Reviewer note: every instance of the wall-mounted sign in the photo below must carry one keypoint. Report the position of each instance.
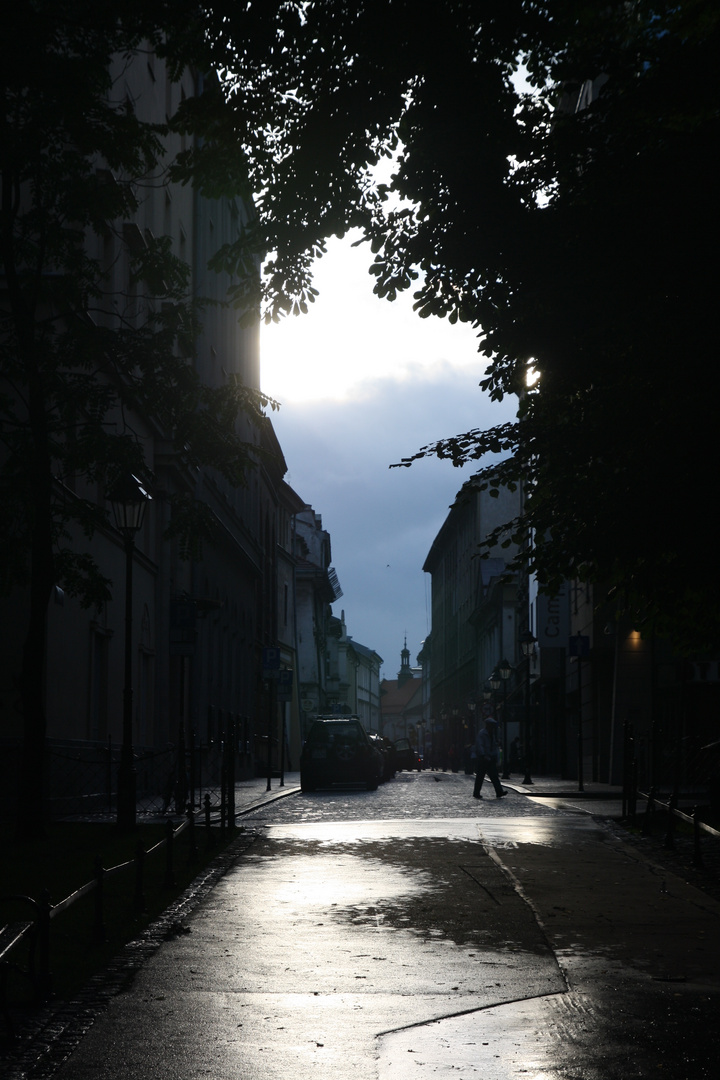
(285, 684)
(270, 663)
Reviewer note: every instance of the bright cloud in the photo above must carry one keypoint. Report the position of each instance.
(350, 338)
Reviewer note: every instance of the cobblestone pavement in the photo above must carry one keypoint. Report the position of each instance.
(409, 795)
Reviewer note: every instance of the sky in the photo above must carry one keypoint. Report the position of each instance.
(362, 383)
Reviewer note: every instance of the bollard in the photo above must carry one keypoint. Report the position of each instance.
(139, 901)
(232, 743)
(632, 797)
(670, 831)
(193, 777)
(208, 828)
(697, 853)
(109, 774)
(99, 927)
(223, 785)
(628, 758)
(169, 841)
(649, 813)
(192, 842)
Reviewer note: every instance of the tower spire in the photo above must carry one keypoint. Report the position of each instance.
(404, 673)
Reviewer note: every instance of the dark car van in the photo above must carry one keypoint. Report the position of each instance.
(338, 751)
(406, 757)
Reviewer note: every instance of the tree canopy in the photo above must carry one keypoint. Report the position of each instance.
(541, 171)
(551, 181)
(79, 353)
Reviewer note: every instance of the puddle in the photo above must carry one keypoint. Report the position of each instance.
(432, 892)
(546, 831)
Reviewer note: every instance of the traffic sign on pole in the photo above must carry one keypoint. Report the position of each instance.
(270, 662)
(285, 684)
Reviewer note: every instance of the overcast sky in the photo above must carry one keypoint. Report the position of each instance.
(362, 383)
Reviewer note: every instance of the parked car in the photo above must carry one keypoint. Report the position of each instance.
(406, 757)
(387, 754)
(338, 750)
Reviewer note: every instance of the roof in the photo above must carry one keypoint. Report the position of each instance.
(396, 699)
(363, 650)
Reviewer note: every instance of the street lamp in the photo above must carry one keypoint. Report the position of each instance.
(455, 735)
(472, 705)
(495, 681)
(527, 645)
(505, 671)
(128, 499)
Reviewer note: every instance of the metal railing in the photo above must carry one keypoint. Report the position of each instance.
(688, 770)
(80, 779)
(35, 931)
(674, 814)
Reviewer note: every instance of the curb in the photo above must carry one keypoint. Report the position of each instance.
(595, 796)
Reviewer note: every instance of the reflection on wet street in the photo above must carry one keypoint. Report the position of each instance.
(501, 940)
(550, 829)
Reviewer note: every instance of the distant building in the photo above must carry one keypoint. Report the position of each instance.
(401, 703)
(317, 588)
(363, 667)
(474, 613)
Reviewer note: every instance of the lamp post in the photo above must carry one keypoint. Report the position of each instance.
(128, 499)
(487, 696)
(527, 645)
(505, 671)
(472, 705)
(455, 740)
(494, 680)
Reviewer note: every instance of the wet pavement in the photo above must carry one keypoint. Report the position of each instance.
(416, 932)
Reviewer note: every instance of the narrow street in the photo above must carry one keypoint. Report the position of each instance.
(415, 932)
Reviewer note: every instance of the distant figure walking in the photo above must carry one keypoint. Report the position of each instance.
(487, 756)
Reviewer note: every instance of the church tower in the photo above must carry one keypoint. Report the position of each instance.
(404, 673)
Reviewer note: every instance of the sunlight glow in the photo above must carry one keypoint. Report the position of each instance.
(350, 339)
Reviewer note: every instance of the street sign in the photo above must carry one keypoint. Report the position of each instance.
(579, 645)
(285, 684)
(270, 663)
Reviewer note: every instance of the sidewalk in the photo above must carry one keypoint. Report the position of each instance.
(555, 786)
(252, 793)
(604, 800)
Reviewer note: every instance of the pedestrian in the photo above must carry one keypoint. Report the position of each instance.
(487, 756)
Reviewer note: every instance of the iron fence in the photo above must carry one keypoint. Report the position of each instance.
(80, 779)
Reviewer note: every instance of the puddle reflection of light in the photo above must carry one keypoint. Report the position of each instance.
(544, 831)
(351, 883)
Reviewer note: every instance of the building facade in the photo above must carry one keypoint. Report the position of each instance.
(203, 615)
(475, 620)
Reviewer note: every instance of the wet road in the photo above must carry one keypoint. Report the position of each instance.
(414, 932)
